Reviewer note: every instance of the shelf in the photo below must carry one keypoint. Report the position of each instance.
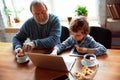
(113, 20)
(13, 29)
(112, 8)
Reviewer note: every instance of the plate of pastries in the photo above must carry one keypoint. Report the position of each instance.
(86, 73)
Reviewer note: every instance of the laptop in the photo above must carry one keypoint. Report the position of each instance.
(47, 61)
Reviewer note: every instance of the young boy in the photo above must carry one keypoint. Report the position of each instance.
(80, 39)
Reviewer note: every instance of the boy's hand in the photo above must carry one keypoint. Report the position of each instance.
(81, 49)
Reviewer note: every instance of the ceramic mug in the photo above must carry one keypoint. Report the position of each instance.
(90, 59)
(22, 59)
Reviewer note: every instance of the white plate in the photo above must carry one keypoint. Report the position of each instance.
(83, 62)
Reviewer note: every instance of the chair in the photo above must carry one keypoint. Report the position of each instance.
(64, 34)
(101, 35)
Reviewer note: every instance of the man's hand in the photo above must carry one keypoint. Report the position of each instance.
(19, 52)
(81, 49)
(28, 46)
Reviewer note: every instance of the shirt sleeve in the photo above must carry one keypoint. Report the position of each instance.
(68, 43)
(99, 48)
(19, 38)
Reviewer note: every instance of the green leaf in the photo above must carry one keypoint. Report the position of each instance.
(8, 11)
(81, 10)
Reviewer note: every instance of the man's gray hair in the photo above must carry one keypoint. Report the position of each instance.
(35, 2)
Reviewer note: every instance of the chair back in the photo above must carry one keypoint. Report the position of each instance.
(64, 34)
(101, 35)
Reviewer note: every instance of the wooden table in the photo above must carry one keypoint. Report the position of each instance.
(109, 67)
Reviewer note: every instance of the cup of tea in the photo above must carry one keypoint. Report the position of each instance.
(90, 59)
(22, 58)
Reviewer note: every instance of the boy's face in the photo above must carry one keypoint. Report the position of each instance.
(78, 36)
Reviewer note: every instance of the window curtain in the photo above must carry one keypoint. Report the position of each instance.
(102, 13)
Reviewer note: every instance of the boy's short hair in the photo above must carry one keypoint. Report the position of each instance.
(80, 23)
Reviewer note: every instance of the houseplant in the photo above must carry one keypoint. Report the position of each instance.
(17, 12)
(14, 13)
(81, 10)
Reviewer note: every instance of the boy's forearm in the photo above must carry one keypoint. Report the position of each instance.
(90, 50)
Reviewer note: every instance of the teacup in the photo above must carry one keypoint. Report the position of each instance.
(90, 59)
(22, 59)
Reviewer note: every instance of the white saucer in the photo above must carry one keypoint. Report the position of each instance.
(83, 62)
(23, 61)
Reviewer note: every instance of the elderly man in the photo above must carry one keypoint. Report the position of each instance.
(43, 30)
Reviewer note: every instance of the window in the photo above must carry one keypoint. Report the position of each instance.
(62, 8)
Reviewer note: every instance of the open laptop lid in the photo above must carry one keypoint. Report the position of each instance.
(47, 61)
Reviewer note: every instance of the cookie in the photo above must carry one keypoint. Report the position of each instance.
(84, 72)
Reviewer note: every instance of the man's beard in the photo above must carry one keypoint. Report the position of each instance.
(44, 21)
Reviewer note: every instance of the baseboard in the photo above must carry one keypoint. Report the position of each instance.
(115, 41)
(115, 47)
